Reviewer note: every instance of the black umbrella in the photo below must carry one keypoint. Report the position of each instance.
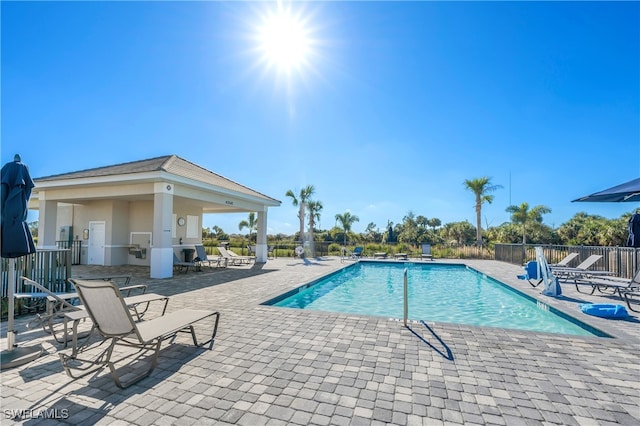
(626, 192)
(15, 241)
(16, 190)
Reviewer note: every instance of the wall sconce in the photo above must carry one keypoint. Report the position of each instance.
(180, 240)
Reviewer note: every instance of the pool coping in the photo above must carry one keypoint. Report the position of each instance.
(566, 309)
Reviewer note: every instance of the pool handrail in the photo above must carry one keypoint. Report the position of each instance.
(406, 302)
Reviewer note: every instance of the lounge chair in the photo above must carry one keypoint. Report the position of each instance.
(426, 252)
(565, 262)
(202, 257)
(566, 273)
(271, 252)
(243, 259)
(181, 266)
(113, 320)
(55, 304)
(65, 306)
(616, 284)
(233, 259)
(630, 296)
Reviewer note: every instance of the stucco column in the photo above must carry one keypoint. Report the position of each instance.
(47, 223)
(261, 237)
(162, 251)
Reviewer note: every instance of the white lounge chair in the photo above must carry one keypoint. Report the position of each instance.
(113, 320)
(233, 258)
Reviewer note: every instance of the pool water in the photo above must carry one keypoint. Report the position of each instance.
(437, 292)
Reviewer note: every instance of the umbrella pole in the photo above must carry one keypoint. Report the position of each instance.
(11, 335)
(15, 356)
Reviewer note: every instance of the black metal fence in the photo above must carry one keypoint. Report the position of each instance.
(622, 261)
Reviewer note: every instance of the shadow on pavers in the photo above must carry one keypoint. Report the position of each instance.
(445, 352)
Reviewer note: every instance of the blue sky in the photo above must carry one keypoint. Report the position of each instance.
(394, 105)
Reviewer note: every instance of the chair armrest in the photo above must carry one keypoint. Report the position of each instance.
(128, 289)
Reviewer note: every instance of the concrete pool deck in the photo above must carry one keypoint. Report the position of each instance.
(284, 366)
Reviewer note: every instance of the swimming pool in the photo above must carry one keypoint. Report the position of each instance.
(437, 292)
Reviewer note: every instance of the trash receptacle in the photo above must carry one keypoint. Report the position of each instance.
(188, 254)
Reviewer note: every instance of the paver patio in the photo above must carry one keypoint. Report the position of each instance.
(284, 366)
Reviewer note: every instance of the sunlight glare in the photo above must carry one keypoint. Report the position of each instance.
(284, 41)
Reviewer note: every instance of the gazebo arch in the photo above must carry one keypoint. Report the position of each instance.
(148, 210)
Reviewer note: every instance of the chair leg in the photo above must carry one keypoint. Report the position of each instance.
(628, 297)
(213, 335)
(83, 365)
(152, 365)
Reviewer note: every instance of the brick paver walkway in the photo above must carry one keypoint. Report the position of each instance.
(282, 366)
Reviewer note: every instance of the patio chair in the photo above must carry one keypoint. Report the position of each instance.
(426, 252)
(565, 273)
(57, 304)
(271, 252)
(202, 256)
(233, 258)
(183, 267)
(615, 284)
(113, 320)
(244, 259)
(565, 261)
(630, 296)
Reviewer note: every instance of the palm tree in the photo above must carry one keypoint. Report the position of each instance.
(346, 220)
(301, 200)
(481, 187)
(522, 215)
(251, 223)
(314, 214)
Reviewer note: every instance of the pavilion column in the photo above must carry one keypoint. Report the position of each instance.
(162, 250)
(261, 237)
(47, 223)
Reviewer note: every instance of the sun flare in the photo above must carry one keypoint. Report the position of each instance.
(284, 41)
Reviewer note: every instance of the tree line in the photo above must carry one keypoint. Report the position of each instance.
(526, 225)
